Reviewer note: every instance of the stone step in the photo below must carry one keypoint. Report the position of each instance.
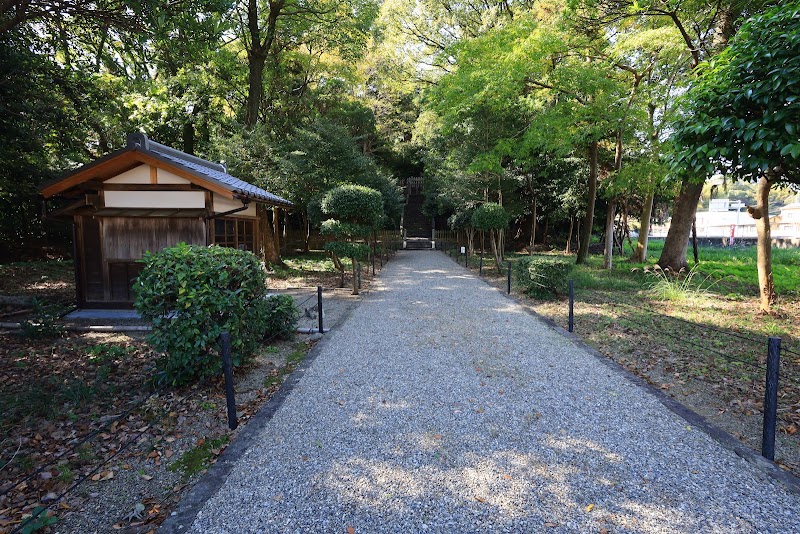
(418, 243)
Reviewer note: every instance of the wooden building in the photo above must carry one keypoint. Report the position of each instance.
(146, 197)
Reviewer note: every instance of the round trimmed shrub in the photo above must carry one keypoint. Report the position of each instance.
(354, 203)
(543, 277)
(490, 216)
(281, 318)
(191, 294)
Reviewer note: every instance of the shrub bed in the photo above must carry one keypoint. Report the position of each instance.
(281, 317)
(191, 294)
(543, 277)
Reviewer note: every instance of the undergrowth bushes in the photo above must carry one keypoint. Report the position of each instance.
(191, 294)
(543, 276)
(281, 318)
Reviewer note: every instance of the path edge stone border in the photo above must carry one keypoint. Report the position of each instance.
(184, 515)
(788, 480)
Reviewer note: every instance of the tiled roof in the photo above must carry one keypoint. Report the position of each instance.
(224, 179)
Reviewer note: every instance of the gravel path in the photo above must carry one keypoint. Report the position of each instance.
(442, 406)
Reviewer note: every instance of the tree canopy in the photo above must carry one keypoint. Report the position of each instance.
(554, 109)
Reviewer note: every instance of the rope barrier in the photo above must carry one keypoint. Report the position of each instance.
(724, 332)
(704, 348)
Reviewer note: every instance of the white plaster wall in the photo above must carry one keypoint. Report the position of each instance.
(137, 175)
(155, 199)
(222, 204)
(166, 177)
(141, 175)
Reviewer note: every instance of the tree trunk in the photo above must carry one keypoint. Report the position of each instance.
(188, 135)
(269, 254)
(258, 53)
(608, 256)
(766, 284)
(337, 263)
(533, 227)
(626, 230)
(674, 254)
(306, 231)
(568, 246)
(640, 255)
(276, 225)
(586, 229)
(256, 60)
(355, 277)
(493, 237)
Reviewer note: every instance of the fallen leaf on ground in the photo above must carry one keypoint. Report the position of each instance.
(103, 475)
(590, 508)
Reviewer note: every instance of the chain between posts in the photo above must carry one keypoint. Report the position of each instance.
(770, 418)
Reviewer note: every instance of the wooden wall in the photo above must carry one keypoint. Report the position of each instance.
(128, 238)
(108, 248)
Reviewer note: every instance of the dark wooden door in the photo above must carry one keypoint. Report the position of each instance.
(90, 264)
(121, 277)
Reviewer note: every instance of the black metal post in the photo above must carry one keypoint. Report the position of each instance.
(381, 257)
(480, 266)
(319, 308)
(227, 370)
(466, 257)
(373, 261)
(358, 271)
(771, 398)
(571, 305)
(509, 278)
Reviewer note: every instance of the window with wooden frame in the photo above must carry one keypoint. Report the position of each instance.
(235, 233)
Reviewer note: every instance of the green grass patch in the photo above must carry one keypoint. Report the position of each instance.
(299, 264)
(198, 458)
(293, 359)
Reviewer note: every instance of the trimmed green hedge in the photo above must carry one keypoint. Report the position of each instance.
(543, 277)
(282, 316)
(191, 294)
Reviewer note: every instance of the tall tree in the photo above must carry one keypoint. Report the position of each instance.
(705, 29)
(743, 119)
(268, 28)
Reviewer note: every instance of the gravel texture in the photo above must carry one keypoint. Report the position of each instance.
(442, 406)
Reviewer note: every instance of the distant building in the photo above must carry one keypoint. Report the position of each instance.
(787, 224)
(728, 220)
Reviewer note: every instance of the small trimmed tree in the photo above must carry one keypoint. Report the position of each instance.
(744, 119)
(461, 220)
(492, 217)
(355, 211)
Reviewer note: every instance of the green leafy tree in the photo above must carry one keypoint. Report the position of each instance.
(491, 217)
(743, 119)
(355, 212)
